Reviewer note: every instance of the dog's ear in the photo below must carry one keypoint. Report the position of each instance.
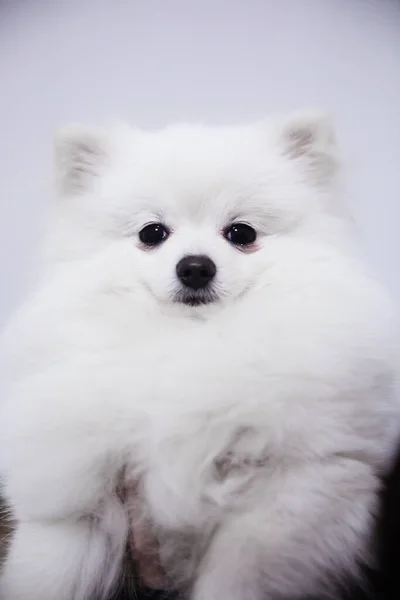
(309, 136)
(81, 154)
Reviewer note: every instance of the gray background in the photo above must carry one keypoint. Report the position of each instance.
(156, 61)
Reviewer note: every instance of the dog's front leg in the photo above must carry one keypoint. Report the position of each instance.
(293, 534)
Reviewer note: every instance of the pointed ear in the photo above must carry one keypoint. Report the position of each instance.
(310, 137)
(81, 154)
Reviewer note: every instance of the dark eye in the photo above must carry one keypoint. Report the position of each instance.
(153, 234)
(240, 234)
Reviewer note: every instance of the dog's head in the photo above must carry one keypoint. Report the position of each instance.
(191, 211)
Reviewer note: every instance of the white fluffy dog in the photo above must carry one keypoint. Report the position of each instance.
(205, 331)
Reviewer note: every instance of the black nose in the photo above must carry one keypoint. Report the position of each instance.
(196, 271)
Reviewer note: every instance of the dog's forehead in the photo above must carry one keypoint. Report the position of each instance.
(198, 173)
(198, 193)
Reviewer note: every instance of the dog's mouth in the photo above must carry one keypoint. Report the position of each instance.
(196, 298)
(194, 301)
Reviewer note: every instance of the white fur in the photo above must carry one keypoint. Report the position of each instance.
(255, 427)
